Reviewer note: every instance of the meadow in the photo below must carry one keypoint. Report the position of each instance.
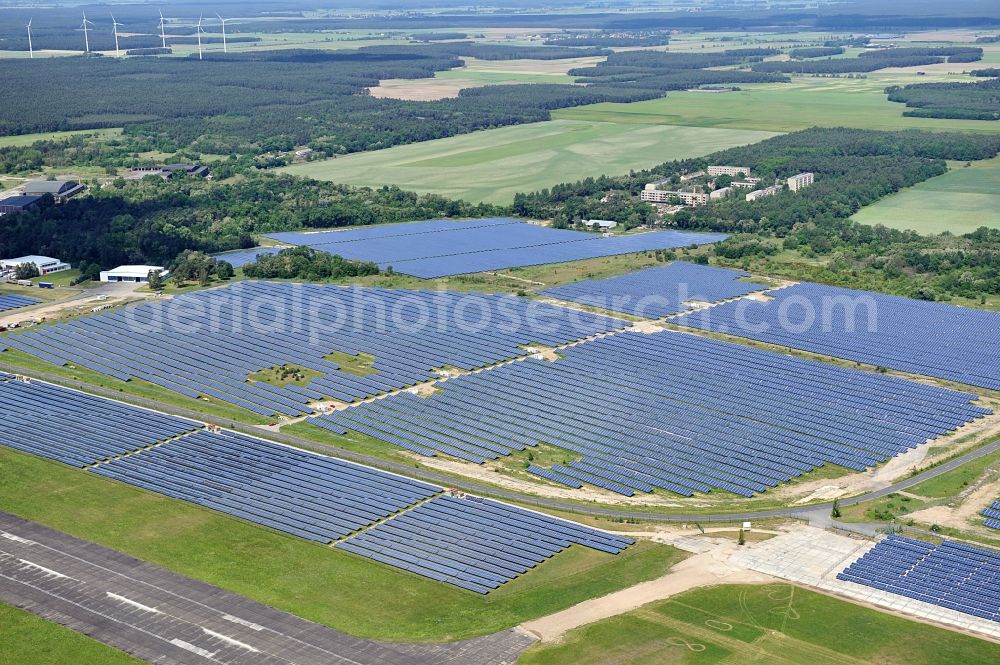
(27, 640)
(784, 107)
(28, 139)
(307, 579)
(776, 623)
(960, 201)
(493, 165)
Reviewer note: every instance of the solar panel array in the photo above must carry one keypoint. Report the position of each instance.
(240, 259)
(13, 301)
(439, 248)
(76, 428)
(953, 575)
(669, 410)
(992, 515)
(658, 292)
(207, 344)
(476, 544)
(480, 544)
(930, 339)
(310, 496)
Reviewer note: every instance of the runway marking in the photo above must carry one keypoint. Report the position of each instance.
(129, 601)
(47, 571)
(229, 640)
(204, 653)
(16, 538)
(243, 622)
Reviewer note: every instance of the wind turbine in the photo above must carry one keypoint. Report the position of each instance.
(223, 22)
(163, 35)
(31, 51)
(199, 36)
(86, 37)
(114, 25)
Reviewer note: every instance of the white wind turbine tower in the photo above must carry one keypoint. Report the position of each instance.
(86, 36)
(114, 25)
(223, 22)
(199, 36)
(163, 35)
(31, 51)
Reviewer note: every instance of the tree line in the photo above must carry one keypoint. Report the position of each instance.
(970, 101)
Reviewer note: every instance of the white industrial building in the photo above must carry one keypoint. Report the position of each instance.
(135, 274)
(45, 264)
(797, 182)
(603, 224)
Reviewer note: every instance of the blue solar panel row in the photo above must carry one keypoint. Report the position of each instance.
(307, 495)
(931, 339)
(953, 575)
(669, 410)
(208, 344)
(992, 515)
(76, 428)
(439, 248)
(241, 258)
(476, 544)
(13, 301)
(311, 496)
(658, 292)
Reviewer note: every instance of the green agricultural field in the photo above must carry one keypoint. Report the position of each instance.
(493, 165)
(959, 201)
(28, 139)
(776, 623)
(313, 581)
(27, 640)
(783, 107)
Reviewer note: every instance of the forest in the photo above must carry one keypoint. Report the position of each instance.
(815, 51)
(151, 221)
(870, 61)
(969, 101)
(308, 264)
(269, 103)
(274, 101)
(853, 168)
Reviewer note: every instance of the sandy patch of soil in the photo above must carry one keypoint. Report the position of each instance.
(707, 569)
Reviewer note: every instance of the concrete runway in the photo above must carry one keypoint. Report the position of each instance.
(169, 619)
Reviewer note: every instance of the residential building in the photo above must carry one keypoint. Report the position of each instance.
(135, 274)
(767, 191)
(797, 182)
(60, 190)
(690, 198)
(692, 176)
(44, 264)
(720, 193)
(729, 170)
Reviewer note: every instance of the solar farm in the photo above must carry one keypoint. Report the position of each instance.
(930, 339)
(672, 411)
(951, 574)
(992, 515)
(254, 326)
(440, 248)
(10, 301)
(574, 407)
(311, 496)
(658, 292)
